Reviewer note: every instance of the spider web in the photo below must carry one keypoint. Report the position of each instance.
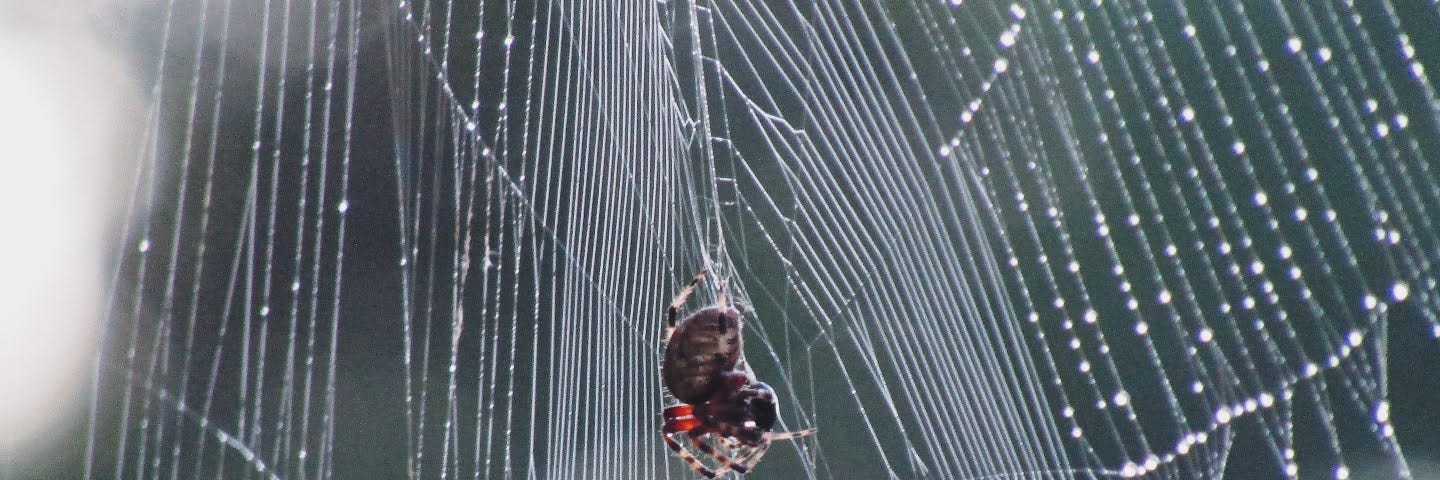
(1042, 239)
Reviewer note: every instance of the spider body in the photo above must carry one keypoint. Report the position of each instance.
(702, 349)
(699, 369)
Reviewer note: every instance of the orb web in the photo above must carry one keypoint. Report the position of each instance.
(1041, 239)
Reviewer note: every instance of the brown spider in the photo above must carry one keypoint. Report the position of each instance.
(699, 370)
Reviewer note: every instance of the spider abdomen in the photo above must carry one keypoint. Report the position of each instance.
(703, 347)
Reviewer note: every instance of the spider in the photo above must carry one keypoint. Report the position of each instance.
(699, 370)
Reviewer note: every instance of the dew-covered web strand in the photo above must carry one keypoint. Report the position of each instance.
(144, 195)
(1273, 358)
(1406, 53)
(502, 142)
(786, 127)
(284, 422)
(322, 206)
(1371, 395)
(205, 214)
(1108, 378)
(737, 237)
(843, 127)
(1007, 40)
(327, 441)
(1337, 60)
(1211, 174)
(256, 425)
(1366, 377)
(764, 117)
(1292, 139)
(1173, 140)
(499, 177)
(535, 246)
(1124, 146)
(246, 224)
(1005, 153)
(1019, 100)
(407, 319)
(1310, 369)
(1031, 227)
(407, 217)
(1027, 304)
(1375, 129)
(160, 347)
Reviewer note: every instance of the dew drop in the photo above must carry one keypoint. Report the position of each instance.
(1400, 291)
(1017, 11)
(1294, 44)
(1007, 39)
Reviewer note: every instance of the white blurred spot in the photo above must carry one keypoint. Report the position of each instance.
(66, 131)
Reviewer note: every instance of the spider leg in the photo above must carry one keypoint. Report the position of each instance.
(753, 437)
(770, 436)
(679, 418)
(726, 464)
(686, 456)
(679, 300)
(755, 455)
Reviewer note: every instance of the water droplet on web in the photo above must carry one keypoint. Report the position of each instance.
(1400, 291)
(1294, 44)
